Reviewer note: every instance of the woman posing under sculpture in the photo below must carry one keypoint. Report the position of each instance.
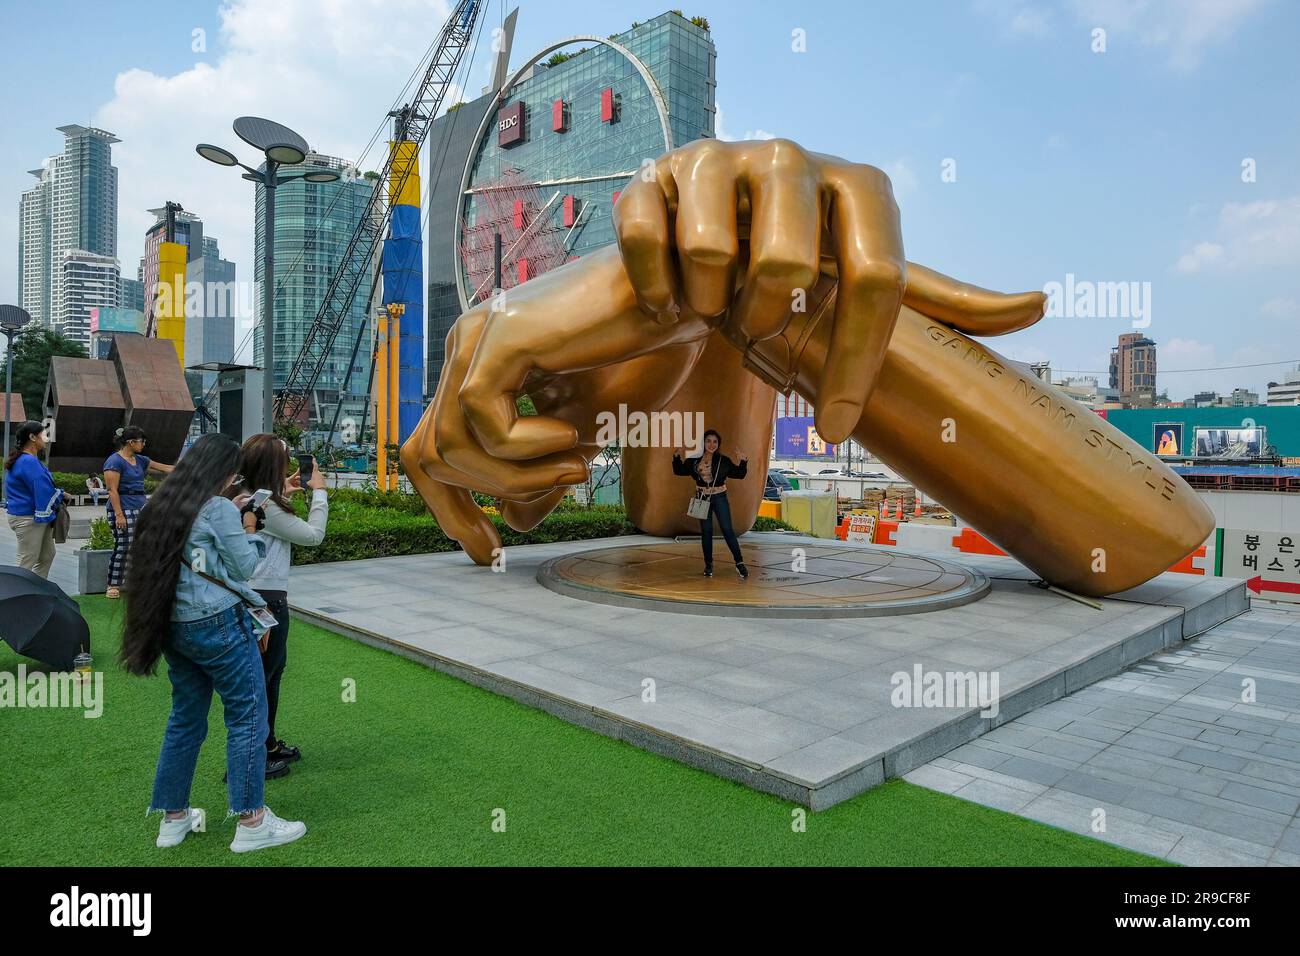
(711, 471)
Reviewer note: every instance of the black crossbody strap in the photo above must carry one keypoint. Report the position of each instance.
(713, 478)
(217, 581)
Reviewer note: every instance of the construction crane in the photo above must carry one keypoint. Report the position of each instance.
(411, 124)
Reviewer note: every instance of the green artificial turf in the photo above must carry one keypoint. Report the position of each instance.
(412, 772)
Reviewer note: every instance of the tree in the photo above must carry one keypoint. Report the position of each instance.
(609, 463)
(289, 431)
(32, 353)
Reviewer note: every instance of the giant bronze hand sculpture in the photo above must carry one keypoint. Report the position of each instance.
(746, 267)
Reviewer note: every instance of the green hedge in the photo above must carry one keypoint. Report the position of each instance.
(71, 483)
(357, 531)
(359, 528)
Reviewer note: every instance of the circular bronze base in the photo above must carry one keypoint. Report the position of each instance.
(785, 580)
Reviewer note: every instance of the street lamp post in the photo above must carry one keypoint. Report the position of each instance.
(12, 321)
(268, 295)
(282, 147)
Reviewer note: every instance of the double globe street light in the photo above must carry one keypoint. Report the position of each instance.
(282, 147)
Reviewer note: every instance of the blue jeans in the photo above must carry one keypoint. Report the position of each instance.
(719, 508)
(218, 652)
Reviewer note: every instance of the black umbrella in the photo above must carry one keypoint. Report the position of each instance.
(38, 620)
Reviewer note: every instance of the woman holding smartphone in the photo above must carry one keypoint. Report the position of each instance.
(188, 600)
(266, 467)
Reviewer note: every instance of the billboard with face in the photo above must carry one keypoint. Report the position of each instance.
(1167, 438)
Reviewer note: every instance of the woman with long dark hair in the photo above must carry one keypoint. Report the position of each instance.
(266, 465)
(31, 500)
(188, 600)
(711, 469)
(124, 473)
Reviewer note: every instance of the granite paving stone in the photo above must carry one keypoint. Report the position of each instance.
(803, 708)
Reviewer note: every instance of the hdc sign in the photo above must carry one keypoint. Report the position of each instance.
(510, 125)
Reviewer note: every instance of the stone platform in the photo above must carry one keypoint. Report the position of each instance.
(800, 709)
(785, 581)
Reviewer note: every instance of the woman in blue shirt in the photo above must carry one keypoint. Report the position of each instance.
(124, 474)
(31, 500)
(188, 599)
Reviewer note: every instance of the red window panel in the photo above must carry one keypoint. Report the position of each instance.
(607, 105)
(559, 122)
(519, 214)
(521, 271)
(570, 210)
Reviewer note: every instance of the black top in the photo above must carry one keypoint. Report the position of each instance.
(726, 468)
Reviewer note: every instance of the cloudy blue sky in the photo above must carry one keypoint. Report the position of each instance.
(1122, 165)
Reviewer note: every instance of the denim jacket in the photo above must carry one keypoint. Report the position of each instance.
(227, 553)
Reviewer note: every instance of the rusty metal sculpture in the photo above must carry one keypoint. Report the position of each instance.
(742, 268)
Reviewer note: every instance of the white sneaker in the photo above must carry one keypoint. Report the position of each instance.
(272, 831)
(172, 832)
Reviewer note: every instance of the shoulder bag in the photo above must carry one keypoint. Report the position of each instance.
(698, 506)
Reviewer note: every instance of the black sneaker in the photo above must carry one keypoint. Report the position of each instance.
(274, 768)
(744, 572)
(282, 751)
(708, 570)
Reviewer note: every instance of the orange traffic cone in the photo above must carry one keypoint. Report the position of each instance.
(916, 512)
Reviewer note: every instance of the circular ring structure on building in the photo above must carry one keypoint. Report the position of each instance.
(835, 580)
(660, 103)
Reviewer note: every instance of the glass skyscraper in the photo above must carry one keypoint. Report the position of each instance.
(72, 207)
(133, 294)
(210, 330)
(313, 224)
(34, 271)
(86, 281)
(554, 156)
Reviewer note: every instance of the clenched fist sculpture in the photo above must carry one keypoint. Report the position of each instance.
(746, 268)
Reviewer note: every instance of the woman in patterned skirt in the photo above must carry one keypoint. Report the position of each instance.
(124, 475)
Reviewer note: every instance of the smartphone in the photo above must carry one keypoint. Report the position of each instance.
(259, 498)
(306, 465)
(264, 618)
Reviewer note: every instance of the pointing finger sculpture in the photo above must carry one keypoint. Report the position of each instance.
(746, 268)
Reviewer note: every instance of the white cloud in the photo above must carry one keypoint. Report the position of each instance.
(902, 176)
(1260, 234)
(721, 132)
(1181, 30)
(1187, 354)
(326, 68)
(1201, 255)
(1281, 308)
(1017, 17)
